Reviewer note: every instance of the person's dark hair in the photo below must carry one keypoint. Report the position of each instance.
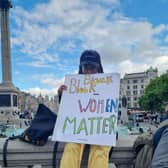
(90, 57)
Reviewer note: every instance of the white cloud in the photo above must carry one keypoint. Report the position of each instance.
(162, 63)
(16, 72)
(120, 40)
(43, 91)
(160, 28)
(45, 25)
(37, 64)
(49, 82)
(166, 39)
(130, 67)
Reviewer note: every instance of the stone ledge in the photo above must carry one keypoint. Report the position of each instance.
(21, 154)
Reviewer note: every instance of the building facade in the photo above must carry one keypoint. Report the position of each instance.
(29, 103)
(133, 85)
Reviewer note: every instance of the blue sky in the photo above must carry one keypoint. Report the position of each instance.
(48, 36)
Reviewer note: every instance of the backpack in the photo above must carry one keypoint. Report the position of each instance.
(37, 134)
(41, 127)
(144, 147)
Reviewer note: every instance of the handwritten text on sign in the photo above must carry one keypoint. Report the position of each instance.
(88, 110)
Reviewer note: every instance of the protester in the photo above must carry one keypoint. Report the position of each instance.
(149, 130)
(141, 131)
(90, 63)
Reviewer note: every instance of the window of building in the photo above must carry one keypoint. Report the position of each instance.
(129, 105)
(128, 98)
(128, 81)
(128, 93)
(142, 86)
(135, 105)
(135, 81)
(142, 80)
(128, 87)
(141, 91)
(135, 92)
(135, 98)
(135, 87)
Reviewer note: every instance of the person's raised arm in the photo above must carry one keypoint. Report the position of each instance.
(60, 91)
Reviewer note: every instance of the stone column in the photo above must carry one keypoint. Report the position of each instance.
(5, 42)
(8, 92)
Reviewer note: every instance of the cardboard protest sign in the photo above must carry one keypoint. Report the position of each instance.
(89, 109)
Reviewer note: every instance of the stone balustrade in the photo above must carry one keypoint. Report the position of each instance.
(24, 155)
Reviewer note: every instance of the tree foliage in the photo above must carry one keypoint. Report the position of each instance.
(156, 94)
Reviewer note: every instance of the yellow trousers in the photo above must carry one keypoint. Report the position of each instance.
(72, 156)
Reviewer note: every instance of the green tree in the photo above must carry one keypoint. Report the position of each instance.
(156, 94)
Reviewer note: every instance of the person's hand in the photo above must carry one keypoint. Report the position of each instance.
(61, 89)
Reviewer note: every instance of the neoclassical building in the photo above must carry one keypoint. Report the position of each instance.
(133, 85)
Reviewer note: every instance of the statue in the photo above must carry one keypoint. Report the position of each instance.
(5, 4)
(124, 116)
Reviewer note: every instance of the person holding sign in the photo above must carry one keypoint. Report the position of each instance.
(90, 63)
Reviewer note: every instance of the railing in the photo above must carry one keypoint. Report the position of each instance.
(24, 155)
